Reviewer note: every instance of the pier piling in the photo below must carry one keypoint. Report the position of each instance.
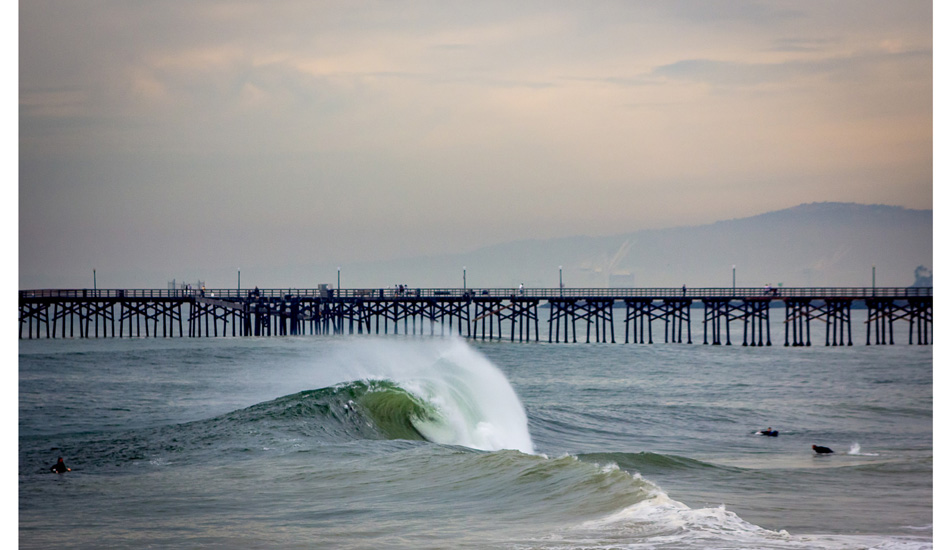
(487, 314)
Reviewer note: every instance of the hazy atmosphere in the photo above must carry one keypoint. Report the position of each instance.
(184, 140)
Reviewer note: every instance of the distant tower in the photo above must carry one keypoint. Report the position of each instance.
(923, 277)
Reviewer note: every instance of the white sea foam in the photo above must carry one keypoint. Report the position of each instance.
(856, 450)
(662, 522)
(476, 405)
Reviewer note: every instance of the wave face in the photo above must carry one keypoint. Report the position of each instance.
(443, 392)
(382, 442)
(364, 409)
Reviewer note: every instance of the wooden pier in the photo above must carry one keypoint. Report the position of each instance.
(573, 314)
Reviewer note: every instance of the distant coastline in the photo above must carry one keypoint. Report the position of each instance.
(816, 244)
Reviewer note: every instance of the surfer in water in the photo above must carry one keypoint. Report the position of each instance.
(769, 432)
(59, 467)
(822, 450)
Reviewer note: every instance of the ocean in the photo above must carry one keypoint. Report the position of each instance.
(418, 441)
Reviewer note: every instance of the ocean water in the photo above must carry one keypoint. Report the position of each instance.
(439, 442)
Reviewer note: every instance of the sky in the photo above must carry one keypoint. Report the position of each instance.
(181, 140)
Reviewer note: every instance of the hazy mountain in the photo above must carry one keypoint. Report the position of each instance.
(819, 244)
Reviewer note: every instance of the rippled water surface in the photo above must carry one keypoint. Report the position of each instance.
(430, 442)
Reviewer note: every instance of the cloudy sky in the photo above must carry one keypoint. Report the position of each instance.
(174, 139)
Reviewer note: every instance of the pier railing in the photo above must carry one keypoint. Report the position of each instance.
(856, 293)
(323, 310)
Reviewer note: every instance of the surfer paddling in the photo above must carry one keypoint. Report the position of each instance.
(822, 450)
(59, 467)
(769, 432)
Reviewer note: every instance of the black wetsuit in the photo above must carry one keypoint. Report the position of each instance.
(59, 467)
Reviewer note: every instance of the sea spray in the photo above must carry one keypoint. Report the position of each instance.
(856, 451)
(260, 429)
(474, 404)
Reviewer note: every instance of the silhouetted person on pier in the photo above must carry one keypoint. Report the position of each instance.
(59, 467)
(684, 290)
(822, 450)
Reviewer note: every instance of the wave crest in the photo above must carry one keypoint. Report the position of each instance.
(443, 392)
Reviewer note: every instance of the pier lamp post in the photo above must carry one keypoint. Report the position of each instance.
(733, 279)
(873, 280)
(94, 287)
(338, 279)
(239, 281)
(560, 278)
(463, 278)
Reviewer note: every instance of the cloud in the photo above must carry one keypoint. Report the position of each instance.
(743, 11)
(803, 44)
(378, 129)
(740, 74)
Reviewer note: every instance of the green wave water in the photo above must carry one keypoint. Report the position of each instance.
(424, 443)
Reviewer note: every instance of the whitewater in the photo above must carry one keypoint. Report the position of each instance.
(417, 442)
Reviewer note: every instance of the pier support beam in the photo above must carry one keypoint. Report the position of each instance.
(517, 313)
(755, 311)
(884, 312)
(562, 313)
(838, 319)
(91, 313)
(717, 313)
(674, 312)
(597, 313)
(798, 316)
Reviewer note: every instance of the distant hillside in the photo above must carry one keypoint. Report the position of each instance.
(819, 244)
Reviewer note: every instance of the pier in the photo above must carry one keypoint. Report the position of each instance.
(571, 314)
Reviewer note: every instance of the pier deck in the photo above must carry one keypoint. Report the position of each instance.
(573, 314)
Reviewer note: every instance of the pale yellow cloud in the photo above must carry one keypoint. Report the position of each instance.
(599, 119)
